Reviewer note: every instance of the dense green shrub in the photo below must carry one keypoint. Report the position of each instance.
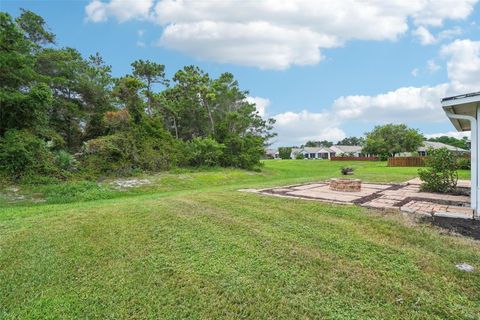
(204, 152)
(463, 163)
(143, 147)
(242, 152)
(65, 161)
(23, 154)
(284, 153)
(116, 153)
(299, 156)
(69, 104)
(441, 172)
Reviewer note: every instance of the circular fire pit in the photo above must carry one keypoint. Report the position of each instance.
(346, 185)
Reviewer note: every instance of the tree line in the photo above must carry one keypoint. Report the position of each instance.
(63, 114)
(384, 141)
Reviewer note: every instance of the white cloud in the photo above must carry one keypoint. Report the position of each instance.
(122, 10)
(434, 12)
(432, 66)
(463, 65)
(261, 104)
(251, 44)
(449, 33)
(295, 128)
(421, 104)
(424, 36)
(140, 41)
(415, 72)
(276, 34)
(398, 106)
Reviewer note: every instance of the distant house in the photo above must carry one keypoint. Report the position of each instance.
(295, 151)
(423, 150)
(272, 154)
(327, 152)
(352, 151)
(314, 153)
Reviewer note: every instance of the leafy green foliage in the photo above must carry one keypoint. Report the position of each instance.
(299, 156)
(351, 141)
(242, 152)
(23, 154)
(122, 153)
(35, 28)
(65, 161)
(388, 140)
(73, 105)
(323, 143)
(441, 172)
(459, 143)
(204, 152)
(150, 73)
(284, 153)
(464, 163)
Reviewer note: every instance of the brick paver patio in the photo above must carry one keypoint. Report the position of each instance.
(406, 197)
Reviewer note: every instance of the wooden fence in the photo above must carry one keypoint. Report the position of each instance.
(406, 162)
(354, 158)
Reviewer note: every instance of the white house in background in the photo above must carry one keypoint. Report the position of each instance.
(317, 153)
(313, 153)
(353, 151)
(326, 152)
(272, 153)
(356, 151)
(423, 150)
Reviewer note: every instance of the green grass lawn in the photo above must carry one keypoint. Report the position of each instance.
(190, 246)
(274, 172)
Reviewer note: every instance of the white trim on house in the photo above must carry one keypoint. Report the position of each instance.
(463, 113)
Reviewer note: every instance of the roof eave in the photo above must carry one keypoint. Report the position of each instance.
(456, 103)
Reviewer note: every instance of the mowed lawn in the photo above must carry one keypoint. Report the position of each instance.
(191, 246)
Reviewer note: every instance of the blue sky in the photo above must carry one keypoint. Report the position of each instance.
(324, 70)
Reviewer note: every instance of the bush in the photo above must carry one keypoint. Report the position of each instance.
(204, 152)
(463, 163)
(284, 153)
(117, 120)
(441, 172)
(65, 161)
(346, 171)
(144, 147)
(242, 152)
(299, 156)
(116, 153)
(23, 154)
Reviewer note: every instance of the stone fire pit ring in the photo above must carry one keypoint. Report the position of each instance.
(345, 185)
